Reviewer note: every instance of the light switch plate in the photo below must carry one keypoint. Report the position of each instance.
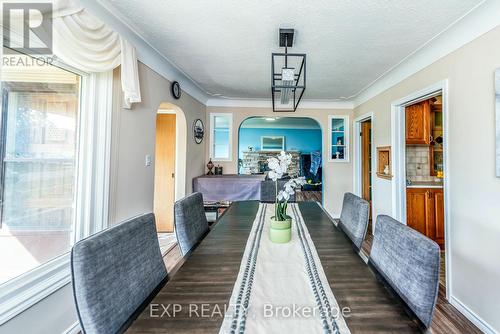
(147, 160)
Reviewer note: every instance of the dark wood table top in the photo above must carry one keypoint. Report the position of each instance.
(202, 286)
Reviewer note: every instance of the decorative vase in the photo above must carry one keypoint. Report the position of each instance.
(386, 170)
(210, 166)
(280, 232)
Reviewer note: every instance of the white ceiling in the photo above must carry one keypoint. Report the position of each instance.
(225, 46)
(280, 123)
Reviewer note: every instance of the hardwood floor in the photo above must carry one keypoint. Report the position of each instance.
(447, 319)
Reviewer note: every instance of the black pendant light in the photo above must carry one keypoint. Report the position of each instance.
(288, 75)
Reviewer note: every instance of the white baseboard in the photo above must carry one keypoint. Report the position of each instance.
(73, 329)
(473, 317)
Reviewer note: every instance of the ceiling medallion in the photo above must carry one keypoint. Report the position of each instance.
(288, 75)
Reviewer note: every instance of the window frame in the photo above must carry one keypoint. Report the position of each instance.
(212, 136)
(93, 151)
(347, 151)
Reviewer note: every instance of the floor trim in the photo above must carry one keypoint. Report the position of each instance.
(473, 317)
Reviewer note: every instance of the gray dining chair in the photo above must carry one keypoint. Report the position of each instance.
(409, 262)
(114, 272)
(190, 221)
(354, 218)
(268, 191)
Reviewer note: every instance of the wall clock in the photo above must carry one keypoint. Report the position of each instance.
(176, 90)
(198, 131)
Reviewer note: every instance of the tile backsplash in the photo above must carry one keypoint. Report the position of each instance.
(418, 166)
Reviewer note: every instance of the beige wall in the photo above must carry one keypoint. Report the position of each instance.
(134, 137)
(337, 176)
(474, 189)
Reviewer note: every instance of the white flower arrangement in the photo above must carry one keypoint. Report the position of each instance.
(278, 167)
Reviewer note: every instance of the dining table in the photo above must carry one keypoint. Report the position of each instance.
(199, 291)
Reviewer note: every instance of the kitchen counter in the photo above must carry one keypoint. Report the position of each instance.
(420, 184)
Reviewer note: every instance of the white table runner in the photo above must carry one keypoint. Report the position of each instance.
(282, 288)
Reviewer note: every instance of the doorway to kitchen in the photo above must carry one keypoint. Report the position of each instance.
(420, 186)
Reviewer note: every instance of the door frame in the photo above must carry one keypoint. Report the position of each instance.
(358, 158)
(399, 162)
(172, 112)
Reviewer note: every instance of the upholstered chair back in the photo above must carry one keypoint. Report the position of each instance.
(268, 191)
(409, 262)
(354, 218)
(190, 221)
(114, 272)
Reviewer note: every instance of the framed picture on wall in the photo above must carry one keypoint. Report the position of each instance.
(268, 143)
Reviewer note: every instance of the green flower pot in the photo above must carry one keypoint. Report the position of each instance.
(280, 232)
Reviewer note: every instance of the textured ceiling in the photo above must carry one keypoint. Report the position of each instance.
(225, 46)
(281, 123)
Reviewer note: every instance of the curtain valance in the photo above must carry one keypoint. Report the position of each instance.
(84, 42)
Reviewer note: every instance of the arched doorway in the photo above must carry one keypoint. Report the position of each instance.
(170, 163)
(262, 136)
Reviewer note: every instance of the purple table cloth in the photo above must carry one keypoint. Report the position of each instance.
(229, 187)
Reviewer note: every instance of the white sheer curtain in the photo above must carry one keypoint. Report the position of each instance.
(82, 41)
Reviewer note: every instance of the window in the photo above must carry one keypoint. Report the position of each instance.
(55, 128)
(221, 126)
(38, 150)
(338, 129)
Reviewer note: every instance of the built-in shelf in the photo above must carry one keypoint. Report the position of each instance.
(384, 159)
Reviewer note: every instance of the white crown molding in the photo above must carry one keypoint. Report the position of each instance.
(478, 21)
(146, 52)
(257, 103)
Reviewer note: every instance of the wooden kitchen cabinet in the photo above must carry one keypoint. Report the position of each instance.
(439, 216)
(418, 123)
(425, 212)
